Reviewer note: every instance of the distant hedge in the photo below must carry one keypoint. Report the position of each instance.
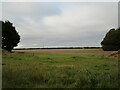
(111, 42)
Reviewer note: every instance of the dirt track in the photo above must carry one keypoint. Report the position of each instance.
(68, 51)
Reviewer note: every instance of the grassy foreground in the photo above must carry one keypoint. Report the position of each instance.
(35, 70)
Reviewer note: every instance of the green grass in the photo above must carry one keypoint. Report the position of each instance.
(34, 70)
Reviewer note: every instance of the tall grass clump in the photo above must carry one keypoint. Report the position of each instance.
(28, 70)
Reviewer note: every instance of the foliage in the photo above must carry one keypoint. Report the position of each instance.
(10, 37)
(111, 42)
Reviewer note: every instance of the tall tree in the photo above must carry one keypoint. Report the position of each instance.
(10, 37)
(111, 42)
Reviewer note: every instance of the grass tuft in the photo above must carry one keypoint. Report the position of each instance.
(28, 70)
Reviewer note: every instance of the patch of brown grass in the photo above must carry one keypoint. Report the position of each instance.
(115, 55)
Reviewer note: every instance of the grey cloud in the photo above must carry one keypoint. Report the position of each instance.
(61, 24)
(20, 10)
(0, 11)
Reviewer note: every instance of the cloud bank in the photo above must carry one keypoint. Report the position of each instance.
(61, 24)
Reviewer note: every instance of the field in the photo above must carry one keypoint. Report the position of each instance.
(69, 51)
(60, 68)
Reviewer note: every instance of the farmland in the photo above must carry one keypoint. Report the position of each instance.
(60, 68)
(68, 51)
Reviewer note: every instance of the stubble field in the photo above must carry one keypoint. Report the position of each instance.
(68, 51)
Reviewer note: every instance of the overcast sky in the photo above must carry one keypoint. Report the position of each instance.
(52, 24)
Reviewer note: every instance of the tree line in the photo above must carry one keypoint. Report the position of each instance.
(11, 38)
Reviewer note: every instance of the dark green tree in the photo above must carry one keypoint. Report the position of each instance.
(10, 37)
(111, 42)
